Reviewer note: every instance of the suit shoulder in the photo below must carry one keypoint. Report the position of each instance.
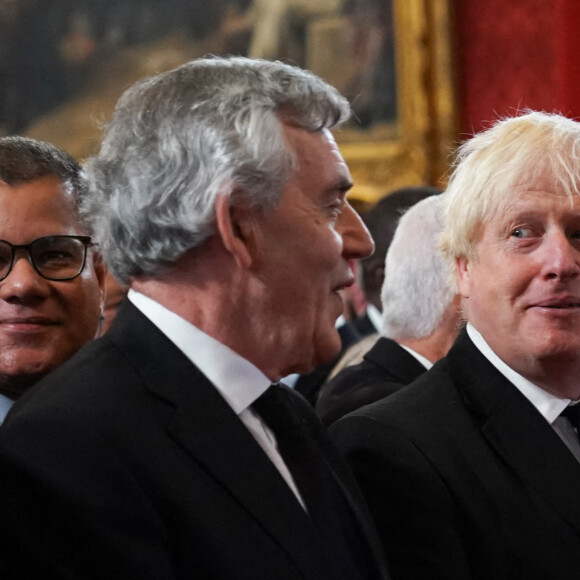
(86, 389)
(427, 404)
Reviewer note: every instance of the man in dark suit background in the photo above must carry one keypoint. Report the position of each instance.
(472, 471)
(382, 221)
(161, 451)
(420, 317)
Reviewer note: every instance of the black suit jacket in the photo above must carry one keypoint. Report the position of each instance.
(364, 325)
(385, 368)
(126, 463)
(465, 478)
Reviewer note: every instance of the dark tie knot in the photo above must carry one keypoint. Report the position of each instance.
(572, 413)
(275, 408)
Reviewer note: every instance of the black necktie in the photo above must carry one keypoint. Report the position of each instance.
(572, 413)
(323, 497)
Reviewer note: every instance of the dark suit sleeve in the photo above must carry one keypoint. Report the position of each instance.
(413, 510)
(71, 508)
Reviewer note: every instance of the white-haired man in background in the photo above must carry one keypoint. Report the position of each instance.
(420, 316)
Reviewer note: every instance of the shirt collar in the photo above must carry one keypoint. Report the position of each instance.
(5, 404)
(239, 382)
(547, 404)
(424, 361)
(375, 316)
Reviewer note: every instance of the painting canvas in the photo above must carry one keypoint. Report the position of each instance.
(64, 63)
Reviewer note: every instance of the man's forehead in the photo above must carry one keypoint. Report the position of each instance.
(302, 139)
(47, 198)
(316, 150)
(538, 197)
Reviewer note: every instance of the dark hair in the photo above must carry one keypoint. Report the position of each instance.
(23, 160)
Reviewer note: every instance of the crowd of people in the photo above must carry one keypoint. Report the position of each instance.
(153, 301)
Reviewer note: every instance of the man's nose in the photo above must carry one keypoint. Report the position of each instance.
(561, 259)
(23, 283)
(357, 241)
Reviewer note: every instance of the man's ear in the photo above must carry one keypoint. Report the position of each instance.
(463, 266)
(234, 229)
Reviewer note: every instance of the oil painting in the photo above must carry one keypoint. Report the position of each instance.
(64, 63)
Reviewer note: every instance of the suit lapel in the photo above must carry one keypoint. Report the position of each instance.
(323, 450)
(518, 432)
(221, 443)
(205, 425)
(368, 536)
(395, 360)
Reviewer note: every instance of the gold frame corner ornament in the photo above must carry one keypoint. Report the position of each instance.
(416, 152)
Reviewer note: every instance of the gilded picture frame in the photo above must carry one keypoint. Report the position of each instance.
(424, 133)
(409, 145)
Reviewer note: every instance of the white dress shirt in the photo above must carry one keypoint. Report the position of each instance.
(375, 316)
(424, 361)
(5, 404)
(238, 381)
(547, 404)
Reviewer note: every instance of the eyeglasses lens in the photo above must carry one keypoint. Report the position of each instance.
(57, 257)
(5, 258)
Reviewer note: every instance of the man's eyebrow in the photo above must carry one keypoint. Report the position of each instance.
(530, 213)
(341, 184)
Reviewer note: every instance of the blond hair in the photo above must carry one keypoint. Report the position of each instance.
(491, 164)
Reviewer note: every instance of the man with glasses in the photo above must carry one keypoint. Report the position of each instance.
(51, 277)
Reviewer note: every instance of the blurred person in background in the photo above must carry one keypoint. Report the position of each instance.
(420, 318)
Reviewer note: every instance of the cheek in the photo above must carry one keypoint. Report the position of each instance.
(327, 250)
(337, 240)
(499, 294)
(84, 307)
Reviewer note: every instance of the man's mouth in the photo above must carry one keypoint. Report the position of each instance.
(567, 304)
(29, 321)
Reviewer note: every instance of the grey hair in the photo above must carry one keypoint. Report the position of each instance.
(491, 164)
(23, 160)
(417, 289)
(178, 140)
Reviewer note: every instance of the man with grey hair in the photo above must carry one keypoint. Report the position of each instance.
(472, 472)
(420, 317)
(163, 450)
(382, 221)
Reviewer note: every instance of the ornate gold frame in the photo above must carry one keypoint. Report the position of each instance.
(418, 152)
(413, 150)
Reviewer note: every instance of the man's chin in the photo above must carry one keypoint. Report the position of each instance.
(323, 351)
(16, 383)
(326, 352)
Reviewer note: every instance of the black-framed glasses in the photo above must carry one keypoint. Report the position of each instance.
(55, 258)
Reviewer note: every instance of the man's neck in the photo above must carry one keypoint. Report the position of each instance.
(222, 311)
(12, 387)
(434, 346)
(558, 376)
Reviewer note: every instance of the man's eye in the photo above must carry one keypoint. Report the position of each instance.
(521, 233)
(336, 209)
(54, 257)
